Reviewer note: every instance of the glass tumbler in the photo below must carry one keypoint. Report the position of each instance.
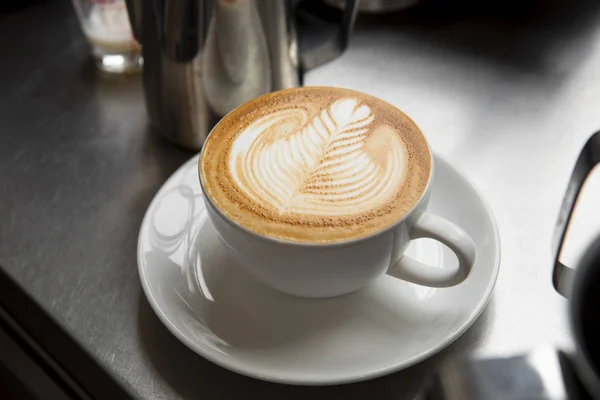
(106, 25)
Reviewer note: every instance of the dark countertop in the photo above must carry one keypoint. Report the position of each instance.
(509, 103)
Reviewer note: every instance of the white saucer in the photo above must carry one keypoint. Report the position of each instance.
(221, 313)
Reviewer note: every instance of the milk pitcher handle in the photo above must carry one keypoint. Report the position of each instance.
(563, 276)
(323, 31)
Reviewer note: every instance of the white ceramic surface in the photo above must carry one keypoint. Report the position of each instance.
(322, 270)
(209, 303)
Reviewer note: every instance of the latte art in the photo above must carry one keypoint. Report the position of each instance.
(315, 165)
(318, 165)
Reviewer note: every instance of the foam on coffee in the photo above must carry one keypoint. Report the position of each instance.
(315, 165)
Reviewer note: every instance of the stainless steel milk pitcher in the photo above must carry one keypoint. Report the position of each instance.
(203, 58)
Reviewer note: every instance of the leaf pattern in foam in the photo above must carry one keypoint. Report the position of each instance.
(317, 166)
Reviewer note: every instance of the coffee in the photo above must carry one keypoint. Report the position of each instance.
(315, 165)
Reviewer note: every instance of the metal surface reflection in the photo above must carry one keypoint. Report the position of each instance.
(542, 374)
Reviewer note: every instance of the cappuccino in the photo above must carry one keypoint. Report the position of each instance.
(315, 165)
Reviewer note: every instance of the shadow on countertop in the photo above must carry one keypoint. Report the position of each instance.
(522, 34)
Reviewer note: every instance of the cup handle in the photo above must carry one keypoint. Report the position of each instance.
(437, 228)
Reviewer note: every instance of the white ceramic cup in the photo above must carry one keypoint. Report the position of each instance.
(332, 269)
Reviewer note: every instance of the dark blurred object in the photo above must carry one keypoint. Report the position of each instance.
(581, 285)
(7, 6)
(545, 374)
(585, 321)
